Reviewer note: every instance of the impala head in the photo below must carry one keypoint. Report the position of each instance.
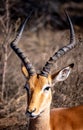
(39, 86)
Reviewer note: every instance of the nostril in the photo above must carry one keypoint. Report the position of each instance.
(31, 111)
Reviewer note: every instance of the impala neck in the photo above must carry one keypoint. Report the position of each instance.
(42, 122)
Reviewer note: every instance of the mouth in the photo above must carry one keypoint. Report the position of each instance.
(34, 116)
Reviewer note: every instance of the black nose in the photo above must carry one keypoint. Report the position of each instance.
(30, 111)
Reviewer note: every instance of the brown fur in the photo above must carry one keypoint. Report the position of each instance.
(67, 118)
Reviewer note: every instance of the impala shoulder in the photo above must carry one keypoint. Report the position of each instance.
(58, 117)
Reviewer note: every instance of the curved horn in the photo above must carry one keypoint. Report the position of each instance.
(19, 52)
(62, 51)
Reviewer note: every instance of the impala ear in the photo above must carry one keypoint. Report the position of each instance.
(24, 71)
(62, 74)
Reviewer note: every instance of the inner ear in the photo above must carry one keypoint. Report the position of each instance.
(24, 71)
(62, 74)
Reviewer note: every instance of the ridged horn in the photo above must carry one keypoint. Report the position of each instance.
(19, 52)
(46, 69)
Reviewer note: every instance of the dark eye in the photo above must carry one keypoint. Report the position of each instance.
(47, 88)
(26, 87)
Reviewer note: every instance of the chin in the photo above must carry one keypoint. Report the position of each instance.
(34, 116)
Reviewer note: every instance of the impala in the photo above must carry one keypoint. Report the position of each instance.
(39, 94)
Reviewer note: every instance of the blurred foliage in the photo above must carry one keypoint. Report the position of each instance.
(51, 12)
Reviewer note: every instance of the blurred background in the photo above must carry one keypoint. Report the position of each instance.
(45, 32)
